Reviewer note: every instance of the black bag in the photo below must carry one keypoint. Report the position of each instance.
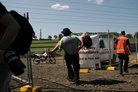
(87, 41)
(21, 44)
(24, 38)
(15, 64)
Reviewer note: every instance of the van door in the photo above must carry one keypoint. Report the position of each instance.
(103, 51)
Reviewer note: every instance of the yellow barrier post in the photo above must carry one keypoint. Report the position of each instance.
(135, 61)
(84, 70)
(37, 89)
(26, 88)
(111, 68)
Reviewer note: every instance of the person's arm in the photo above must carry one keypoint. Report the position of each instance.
(81, 40)
(11, 31)
(128, 45)
(55, 48)
(115, 43)
(81, 43)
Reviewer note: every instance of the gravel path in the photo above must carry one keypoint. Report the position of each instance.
(52, 78)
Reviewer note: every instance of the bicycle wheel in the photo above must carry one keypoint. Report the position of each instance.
(52, 59)
(36, 60)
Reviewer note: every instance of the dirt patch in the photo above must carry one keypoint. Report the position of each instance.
(52, 78)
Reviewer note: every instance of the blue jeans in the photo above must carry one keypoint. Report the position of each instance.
(122, 57)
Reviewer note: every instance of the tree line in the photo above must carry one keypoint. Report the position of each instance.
(89, 33)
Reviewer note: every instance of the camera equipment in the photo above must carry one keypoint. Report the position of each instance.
(16, 65)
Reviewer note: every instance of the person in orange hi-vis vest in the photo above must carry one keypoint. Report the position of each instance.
(122, 45)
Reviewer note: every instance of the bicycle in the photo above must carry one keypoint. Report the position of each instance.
(43, 58)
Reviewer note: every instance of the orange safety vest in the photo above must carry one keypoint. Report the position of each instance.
(121, 46)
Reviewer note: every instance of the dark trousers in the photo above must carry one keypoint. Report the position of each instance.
(73, 66)
(122, 57)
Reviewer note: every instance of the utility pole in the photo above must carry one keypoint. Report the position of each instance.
(29, 58)
(109, 49)
(40, 35)
(136, 44)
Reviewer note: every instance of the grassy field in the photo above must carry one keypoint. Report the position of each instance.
(40, 45)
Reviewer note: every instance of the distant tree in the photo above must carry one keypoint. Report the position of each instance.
(96, 33)
(115, 33)
(55, 36)
(88, 33)
(129, 35)
(75, 34)
(49, 37)
(80, 34)
(136, 34)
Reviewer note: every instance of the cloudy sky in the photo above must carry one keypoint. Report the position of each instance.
(51, 16)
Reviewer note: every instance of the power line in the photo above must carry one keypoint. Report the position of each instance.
(78, 16)
(87, 21)
(73, 12)
(83, 14)
(72, 8)
(86, 24)
(79, 13)
(96, 5)
(69, 2)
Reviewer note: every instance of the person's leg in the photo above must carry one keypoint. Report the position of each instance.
(76, 66)
(69, 67)
(120, 64)
(126, 58)
(5, 77)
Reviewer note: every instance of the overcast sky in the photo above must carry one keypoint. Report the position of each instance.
(81, 16)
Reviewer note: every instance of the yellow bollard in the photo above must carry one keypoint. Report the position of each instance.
(37, 89)
(26, 88)
(84, 70)
(111, 68)
(135, 61)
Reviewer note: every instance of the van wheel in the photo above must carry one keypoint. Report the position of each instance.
(113, 59)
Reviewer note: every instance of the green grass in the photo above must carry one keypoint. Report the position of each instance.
(40, 45)
(44, 41)
(43, 45)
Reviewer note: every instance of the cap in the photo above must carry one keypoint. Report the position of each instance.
(122, 32)
(66, 31)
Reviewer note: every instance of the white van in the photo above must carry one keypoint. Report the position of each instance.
(107, 49)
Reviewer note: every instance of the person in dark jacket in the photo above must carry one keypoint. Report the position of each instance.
(11, 31)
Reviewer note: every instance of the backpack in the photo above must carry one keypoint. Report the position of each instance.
(24, 38)
(87, 41)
